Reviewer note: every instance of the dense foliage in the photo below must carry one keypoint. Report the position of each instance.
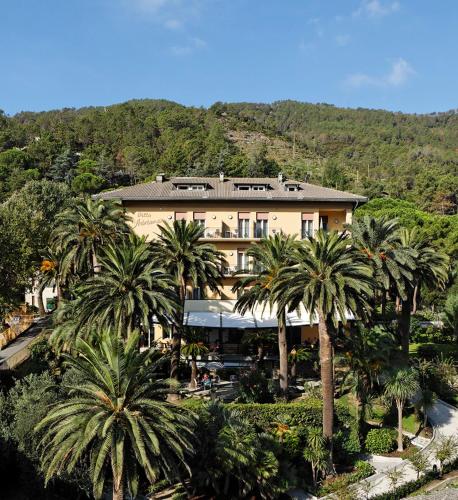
(368, 151)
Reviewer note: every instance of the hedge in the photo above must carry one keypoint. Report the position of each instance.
(380, 441)
(305, 413)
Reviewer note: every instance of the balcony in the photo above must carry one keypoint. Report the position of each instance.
(225, 232)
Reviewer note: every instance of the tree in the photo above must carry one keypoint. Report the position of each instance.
(269, 255)
(330, 279)
(424, 402)
(234, 459)
(366, 353)
(395, 476)
(191, 263)
(63, 167)
(30, 216)
(451, 315)
(431, 269)
(193, 348)
(401, 386)
(87, 183)
(445, 449)
(117, 419)
(316, 453)
(82, 229)
(296, 356)
(260, 338)
(127, 292)
(379, 240)
(419, 462)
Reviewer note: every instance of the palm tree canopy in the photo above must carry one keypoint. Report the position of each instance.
(190, 261)
(329, 277)
(117, 417)
(194, 343)
(402, 385)
(270, 255)
(128, 290)
(83, 228)
(431, 265)
(379, 239)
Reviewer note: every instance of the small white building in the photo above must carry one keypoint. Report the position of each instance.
(49, 297)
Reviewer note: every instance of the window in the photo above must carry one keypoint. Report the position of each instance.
(242, 260)
(307, 228)
(251, 187)
(324, 222)
(291, 188)
(261, 225)
(196, 294)
(191, 187)
(244, 225)
(199, 218)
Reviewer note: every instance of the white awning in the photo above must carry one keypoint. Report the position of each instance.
(226, 318)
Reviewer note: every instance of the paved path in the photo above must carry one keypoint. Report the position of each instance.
(16, 352)
(444, 419)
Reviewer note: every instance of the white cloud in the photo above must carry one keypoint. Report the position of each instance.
(193, 45)
(376, 8)
(172, 14)
(343, 40)
(173, 24)
(398, 75)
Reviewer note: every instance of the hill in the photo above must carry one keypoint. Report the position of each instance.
(372, 152)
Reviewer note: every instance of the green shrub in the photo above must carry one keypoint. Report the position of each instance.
(380, 441)
(362, 470)
(254, 388)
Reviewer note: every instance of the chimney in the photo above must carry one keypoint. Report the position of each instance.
(221, 177)
(280, 177)
(160, 177)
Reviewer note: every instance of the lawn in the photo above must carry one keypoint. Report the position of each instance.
(410, 422)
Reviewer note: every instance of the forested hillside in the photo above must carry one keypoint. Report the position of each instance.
(414, 157)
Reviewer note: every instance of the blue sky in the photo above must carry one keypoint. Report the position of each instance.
(391, 54)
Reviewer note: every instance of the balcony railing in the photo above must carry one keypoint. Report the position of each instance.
(232, 233)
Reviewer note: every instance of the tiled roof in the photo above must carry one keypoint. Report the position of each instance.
(444, 494)
(226, 190)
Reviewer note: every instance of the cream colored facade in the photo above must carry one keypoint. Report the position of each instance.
(222, 228)
(222, 224)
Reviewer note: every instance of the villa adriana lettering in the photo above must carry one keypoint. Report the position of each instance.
(145, 219)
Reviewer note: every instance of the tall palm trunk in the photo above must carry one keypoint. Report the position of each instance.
(399, 406)
(327, 379)
(404, 325)
(260, 355)
(293, 369)
(192, 384)
(177, 333)
(283, 352)
(41, 306)
(118, 489)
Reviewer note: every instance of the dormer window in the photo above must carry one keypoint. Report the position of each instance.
(291, 187)
(191, 187)
(251, 187)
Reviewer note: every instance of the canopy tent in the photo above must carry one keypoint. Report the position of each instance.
(260, 319)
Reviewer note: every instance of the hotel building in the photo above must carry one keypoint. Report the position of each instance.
(235, 213)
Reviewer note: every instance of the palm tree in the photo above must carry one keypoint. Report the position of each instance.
(379, 240)
(451, 315)
(431, 270)
(401, 386)
(127, 291)
(366, 353)
(82, 229)
(316, 453)
(270, 255)
(298, 355)
(193, 348)
(330, 279)
(116, 417)
(260, 338)
(191, 263)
